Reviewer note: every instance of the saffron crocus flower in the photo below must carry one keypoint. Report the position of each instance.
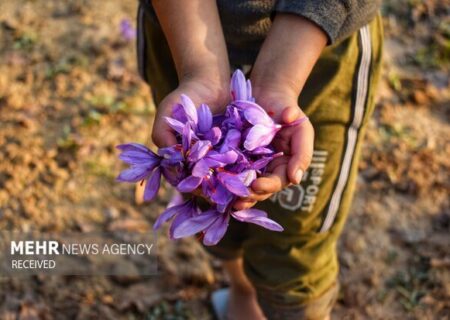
(204, 168)
(240, 88)
(177, 213)
(214, 224)
(144, 167)
(172, 164)
(217, 156)
(200, 120)
(264, 128)
(126, 30)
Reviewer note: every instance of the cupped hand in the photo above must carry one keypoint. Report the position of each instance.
(295, 141)
(200, 90)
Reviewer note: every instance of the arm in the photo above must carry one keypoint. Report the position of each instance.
(337, 18)
(291, 49)
(197, 45)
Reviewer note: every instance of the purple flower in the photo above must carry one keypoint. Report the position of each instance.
(258, 217)
(218, 156)
(126, 30)
(172, 164)
(233, 183)
(203, 170)
(199, 120)
(240, 89)
(264, 128)
(144, 167)
(214, 224)
(179, 213)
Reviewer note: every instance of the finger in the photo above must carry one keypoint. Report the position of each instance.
(242, 205)
(272, 183)
(163, 137)
(283, 160)
(290, 114)
(257, 196)
(162, 134)
(281, 145)
(302, 145)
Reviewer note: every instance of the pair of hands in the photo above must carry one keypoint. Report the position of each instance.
(197, 44)
(296, 142)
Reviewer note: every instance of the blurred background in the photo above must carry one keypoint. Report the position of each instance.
(70, 92)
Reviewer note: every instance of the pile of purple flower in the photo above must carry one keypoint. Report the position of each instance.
(217, 157)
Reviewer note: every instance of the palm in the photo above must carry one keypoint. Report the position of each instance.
(210, 94)
(296, 143)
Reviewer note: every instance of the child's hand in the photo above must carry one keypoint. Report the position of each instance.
(195, 37)
(200, 90)
(296, 142)
(284, 62)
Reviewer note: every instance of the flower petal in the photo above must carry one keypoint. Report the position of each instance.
(238, 86)
(195, 224)
(259, 136)
(186, 137)
(232, 118)
(171, 154)
(261, 163)
(175, 124)
(254, 113)
(266, 223)
(189, 184)
(173, 173)
(201, 168)
(231, 141)
(247, 177)
(246, 214)
(216, 230)
(262, 151)
(189, 108)
(185, 213)
(152, 185)
(220, 195)
(258, 217)
(178, 113)
(199, 150)
(233, 184)
(139, 158)
(168, 214)
(204, 118)
(213, 135)
(224, 158)
(176, 199)
(134, 174)
(249, 91)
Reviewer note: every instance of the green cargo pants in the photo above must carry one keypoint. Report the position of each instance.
(295, 271)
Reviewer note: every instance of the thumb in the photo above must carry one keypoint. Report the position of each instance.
(290, 114)
(302, 146)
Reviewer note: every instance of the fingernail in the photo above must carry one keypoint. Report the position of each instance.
(298, 176)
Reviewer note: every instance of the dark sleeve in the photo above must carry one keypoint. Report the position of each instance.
(338, 18)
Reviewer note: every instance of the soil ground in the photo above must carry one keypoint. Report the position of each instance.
(69, 92)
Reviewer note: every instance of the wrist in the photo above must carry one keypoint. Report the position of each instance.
(270, 84)
(274, 98)
(205, 88)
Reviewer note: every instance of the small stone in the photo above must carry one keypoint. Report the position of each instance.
(420, 97)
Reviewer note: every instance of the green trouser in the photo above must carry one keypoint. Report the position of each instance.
(295, 271)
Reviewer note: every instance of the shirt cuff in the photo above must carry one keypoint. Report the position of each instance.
(329, 15)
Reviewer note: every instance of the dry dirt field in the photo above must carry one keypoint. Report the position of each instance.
(69, 92)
